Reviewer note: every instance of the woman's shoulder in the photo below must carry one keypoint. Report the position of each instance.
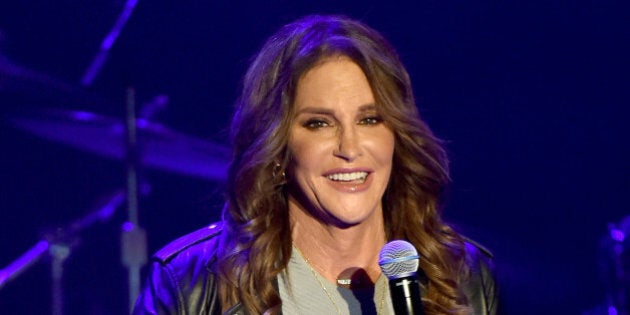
(477, 254)
(180, 279)
(480, 288)
(199, 244)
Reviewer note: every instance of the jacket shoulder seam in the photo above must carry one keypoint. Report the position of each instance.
(175, 247)
(480, 247)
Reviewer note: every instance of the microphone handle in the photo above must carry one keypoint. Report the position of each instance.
(405, 294)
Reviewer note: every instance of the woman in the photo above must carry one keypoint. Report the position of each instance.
(331, 161)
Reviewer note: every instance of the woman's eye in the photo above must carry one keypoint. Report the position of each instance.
(315, 123)
(372, 120)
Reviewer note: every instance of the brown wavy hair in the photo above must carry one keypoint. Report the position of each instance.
(255, 244)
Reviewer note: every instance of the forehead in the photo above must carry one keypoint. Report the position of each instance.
(325, 64)
(335, 80)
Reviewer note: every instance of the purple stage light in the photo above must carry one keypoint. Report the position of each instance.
(127, 226)
(617, 235)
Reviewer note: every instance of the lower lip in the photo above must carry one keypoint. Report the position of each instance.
(351, 187)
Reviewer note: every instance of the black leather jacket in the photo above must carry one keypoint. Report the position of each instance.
(180, 280)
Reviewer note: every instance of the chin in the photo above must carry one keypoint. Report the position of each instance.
(346, 221)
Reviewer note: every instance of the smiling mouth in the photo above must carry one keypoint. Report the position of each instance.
(349, 177)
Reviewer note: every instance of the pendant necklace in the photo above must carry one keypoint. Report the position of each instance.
(340, 281)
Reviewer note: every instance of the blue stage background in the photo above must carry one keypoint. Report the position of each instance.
(530, 96)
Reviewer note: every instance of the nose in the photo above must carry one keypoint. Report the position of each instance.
(349, 147)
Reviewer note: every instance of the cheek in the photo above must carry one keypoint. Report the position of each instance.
(304, 168)
(299, 151)
(308, 151)
(383, 146)
(390, 154)
(303, 156)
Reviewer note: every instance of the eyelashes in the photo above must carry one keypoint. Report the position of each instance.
(371, 120)
(316, 123)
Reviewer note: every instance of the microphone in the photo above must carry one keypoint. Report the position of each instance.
(399, 261)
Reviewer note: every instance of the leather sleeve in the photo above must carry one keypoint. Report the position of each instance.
(481, 288)
(180, 280)
(159, 294)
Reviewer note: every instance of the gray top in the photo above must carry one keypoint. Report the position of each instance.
(305, 291)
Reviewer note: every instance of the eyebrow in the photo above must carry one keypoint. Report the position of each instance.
(326, 111)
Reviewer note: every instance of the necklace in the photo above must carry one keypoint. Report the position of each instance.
(321, 284)
(344, 281)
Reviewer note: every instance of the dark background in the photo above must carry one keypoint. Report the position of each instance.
(531, 97)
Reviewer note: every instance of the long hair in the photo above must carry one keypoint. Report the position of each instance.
(255, 244)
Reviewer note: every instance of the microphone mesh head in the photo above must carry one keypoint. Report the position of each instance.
(398, 259)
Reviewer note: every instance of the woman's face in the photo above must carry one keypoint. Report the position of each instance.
(341, 149)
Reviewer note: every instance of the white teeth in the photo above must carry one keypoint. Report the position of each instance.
(348, 177)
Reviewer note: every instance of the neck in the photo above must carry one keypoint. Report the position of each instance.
(340, 253)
